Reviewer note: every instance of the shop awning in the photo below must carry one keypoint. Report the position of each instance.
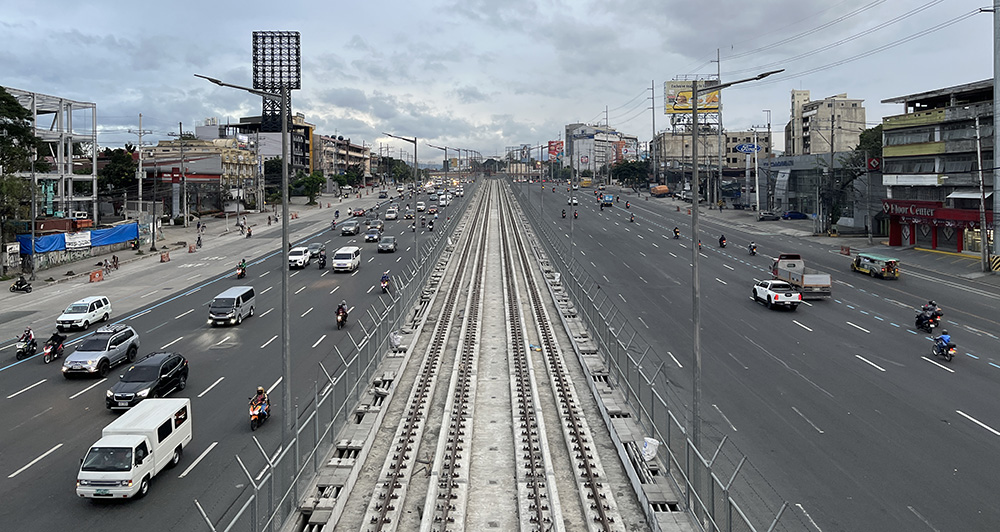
(967, 194)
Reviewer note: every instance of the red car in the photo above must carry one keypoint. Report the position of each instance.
(359, 212)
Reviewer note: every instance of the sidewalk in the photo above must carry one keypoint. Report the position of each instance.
(965, 266)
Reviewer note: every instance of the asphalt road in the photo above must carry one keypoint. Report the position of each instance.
(50, 422)
(839, 403)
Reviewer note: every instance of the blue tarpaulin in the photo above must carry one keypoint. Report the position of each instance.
(98, 237)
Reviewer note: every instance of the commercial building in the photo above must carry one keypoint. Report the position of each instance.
(814, 125)
(337, 154)
(302, 144)
(596, 148)
(218, 173)
(933, 155)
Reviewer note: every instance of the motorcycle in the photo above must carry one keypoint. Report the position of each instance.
(430, 226)
(341, 320)
(259, 412)
(564, 214)
(927, 320)
(241, 272)
(25, 349)
(631, 218)
(576, 214)
(628, 205)
(53, 348)
(677, 235)
(385, 286)
(722, 243)
(322, 261)
(946, 352)
(21, 285)
(753, 250)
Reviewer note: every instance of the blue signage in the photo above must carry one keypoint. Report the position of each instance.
(747, 148)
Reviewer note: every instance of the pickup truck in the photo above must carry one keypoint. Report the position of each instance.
(791, 268)
(775, 293)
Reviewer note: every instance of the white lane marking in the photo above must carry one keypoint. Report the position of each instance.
(324, 273)
(172, 343)
(87, 389)
(719, 410)
(592, 264)
(263, 274)
(721, 281)
(643, 254)
(266, 312)
(730, 267)
(623, 297)
(266, 289)
(179, 316)
(807, 420)
(33, 462)
(370, 288)
(810, 517)
(640, 236)
(859, 327)
(15, 394)
(300, 289)
(335, 289)
(399, 259)
(643, 280)
(269, 341)
(582, 252)
(938, 364)
(198, 460)
(874, 365)
(306, 312)
(143, 313)
(679, 365)
(275, 385)
(672, 255)
(321, 338)
(193, 276)
(916, 513)
(153, 293)
(977, 422)
(212, 386)
(293, 274)
(643, 322)
(371, 259)
(800, 325)
(224, 340)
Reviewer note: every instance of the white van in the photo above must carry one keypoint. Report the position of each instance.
(347, 259)
(134, 448)
(84, 312)
(232, 305)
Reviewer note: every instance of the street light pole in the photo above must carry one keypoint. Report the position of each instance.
(286, 360)
(695, 252)
(416, 241)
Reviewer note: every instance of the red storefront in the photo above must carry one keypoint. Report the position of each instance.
(930, 224)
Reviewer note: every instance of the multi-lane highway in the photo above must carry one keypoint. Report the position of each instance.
(49, 422)
(839, 403)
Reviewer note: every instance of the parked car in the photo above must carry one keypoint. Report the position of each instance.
(767, 216)
(794, 215)
(350, 227)
(154, 375)
(108, 347)
(387, 244)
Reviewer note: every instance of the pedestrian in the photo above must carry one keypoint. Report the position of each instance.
(249, 232)
(244, 220)
(268, 219)
(107, 266)
(114, 261)
(199, 226)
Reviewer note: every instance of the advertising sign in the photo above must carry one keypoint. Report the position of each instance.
(555, 150)
(525, 153)
(747, 148)
(79, 240)
(677, 98)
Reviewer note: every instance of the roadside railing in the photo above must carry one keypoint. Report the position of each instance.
(720, 488)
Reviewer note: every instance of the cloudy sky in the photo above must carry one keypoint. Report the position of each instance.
(485, 74)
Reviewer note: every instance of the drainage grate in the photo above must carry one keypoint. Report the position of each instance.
(665, 507)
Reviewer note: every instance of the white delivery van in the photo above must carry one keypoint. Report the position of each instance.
(134, 448)
(347, 259)
(232, 306)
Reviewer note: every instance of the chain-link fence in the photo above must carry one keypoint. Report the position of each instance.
(271, 498)
(719, 486)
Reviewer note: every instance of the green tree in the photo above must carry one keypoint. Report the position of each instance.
(354, 174)
(310, 185)
(853, 166)
(119, 172)
(17, 145)
(631, 173)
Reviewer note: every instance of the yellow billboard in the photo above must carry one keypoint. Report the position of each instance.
(677, 97)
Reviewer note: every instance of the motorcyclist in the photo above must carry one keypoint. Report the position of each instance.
(385, 278)
(261, 397)
(242, 265)
(336, 214)
(627, 204)
(752, 248)
(631, 218)
(677, 233)
(28, 336)
(722, 240)
(941, 342)
(575, 214)
(342, 309)
(564, 213)
(21, 281)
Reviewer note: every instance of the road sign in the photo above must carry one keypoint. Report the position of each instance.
(747, 148)
(874, 164)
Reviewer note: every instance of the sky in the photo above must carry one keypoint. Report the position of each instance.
(485, 75)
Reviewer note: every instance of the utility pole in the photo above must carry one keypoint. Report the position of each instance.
(756, 172)
(652, 151)
(868, 200)
(770, 155)
(717, 188)
(983, 242)
(996, 112)
(139, 173)
(184, 180)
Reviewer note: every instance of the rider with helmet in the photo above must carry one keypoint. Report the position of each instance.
(942, 342)
(261, 397)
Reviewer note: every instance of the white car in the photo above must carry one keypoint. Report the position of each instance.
(573, 201)
(774, 293)
(298, 257)
(84, 312)
(421, 206)
(391, 214)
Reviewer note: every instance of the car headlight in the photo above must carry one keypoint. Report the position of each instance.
(142, 393)
(110, 393)
(126, 483)
(81, 482)
(92, 363)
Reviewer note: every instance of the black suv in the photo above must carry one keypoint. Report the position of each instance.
(154, 375)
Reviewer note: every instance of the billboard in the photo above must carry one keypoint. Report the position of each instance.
(677, 98)
(555, 150)
(525, 153)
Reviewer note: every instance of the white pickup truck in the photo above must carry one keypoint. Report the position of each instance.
(776, 293)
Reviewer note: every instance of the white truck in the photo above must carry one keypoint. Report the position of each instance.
(134, 448)
(811, 284)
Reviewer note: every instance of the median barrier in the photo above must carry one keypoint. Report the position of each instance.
(96, 276)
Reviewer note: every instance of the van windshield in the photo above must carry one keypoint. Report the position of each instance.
(77, 309)
(108, 459)
(343, 256)
(223, 303)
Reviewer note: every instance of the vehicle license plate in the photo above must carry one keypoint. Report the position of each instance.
(103, 492)
(122, 403)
